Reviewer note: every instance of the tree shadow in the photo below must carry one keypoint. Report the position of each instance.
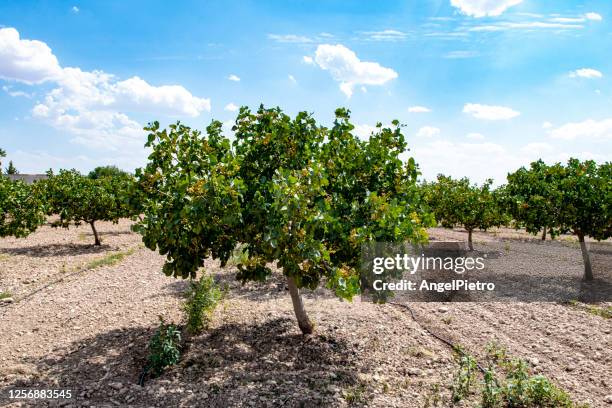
(52, 250)
(274, 287)
(270, 364)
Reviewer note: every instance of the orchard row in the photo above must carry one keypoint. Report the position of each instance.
(307, 197)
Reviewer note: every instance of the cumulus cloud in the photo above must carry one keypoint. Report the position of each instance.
(489, 112)
(27, 61)
(364, 131)
(586, 73)
(418, 109)
(547, 125)
(308, 60)
(484, 8)
(233, 77)
(589, 129)
(91, 105)
(170, 99)
(593, 16)
(428, 131)
(475, 136)
(346, 68)
(230, 107)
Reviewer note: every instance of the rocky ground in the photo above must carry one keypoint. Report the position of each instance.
(76, 321)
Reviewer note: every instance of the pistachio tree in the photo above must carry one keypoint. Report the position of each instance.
(585, 203)
(457, 202)
(533, 198)
(78, 199)
(21, 210)
(288, 192)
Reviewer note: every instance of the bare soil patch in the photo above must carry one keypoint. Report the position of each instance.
(89, 333)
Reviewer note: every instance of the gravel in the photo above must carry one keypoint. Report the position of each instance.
(89, 331)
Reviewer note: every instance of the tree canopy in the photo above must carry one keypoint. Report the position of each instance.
(288, 191)
(78, 199)
(21, 210)
(459, 203)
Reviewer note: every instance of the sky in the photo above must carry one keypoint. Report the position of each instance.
(482, 87)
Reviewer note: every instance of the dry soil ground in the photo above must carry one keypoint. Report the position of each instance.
(79, 322)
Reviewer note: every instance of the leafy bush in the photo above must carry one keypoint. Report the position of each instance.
(202, 298)
(514, 386)
(465, 376)
(164, 347)
(21, 210)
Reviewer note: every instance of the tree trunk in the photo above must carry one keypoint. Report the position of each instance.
(306, 326)
(544, 234)
(95, 232)
(470, 245)
(588, 272)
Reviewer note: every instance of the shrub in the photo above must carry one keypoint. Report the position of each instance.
(164, 347)
(202, 298)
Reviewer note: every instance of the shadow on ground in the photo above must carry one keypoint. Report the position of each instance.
(51, 250)
(270, 364)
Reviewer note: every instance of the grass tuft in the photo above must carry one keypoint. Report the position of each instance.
(110, 259)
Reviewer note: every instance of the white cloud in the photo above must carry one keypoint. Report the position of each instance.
(385, 35)
(308, 60)
(230, 107)
(478, 161)
(169, 99)
(234, 77)
(529, 25)
(587, 130)
(75, 9)
(92, 105)
(346, 68)
(547, 125)
(586, 73)
(364, 131)
(428, 131)
(15, 94)
(292, 78)
(537, 149)
(593, 16)
(482, 8)
(475, 136)
(27, 61)
(461, 54)
(290, 38)
(418, 109)
(489, 112)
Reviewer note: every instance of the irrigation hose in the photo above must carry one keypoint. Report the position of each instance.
(442, 339)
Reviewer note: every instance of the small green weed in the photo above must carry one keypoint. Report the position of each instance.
(110, 259)
(5, 295)
(202, 299)
(508, 383)
(355, 395)
(465, 376)
(605, 312)
(164, 347)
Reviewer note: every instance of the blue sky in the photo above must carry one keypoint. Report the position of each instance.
(483, 86)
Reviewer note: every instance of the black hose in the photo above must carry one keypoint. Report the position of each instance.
(442, 339)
